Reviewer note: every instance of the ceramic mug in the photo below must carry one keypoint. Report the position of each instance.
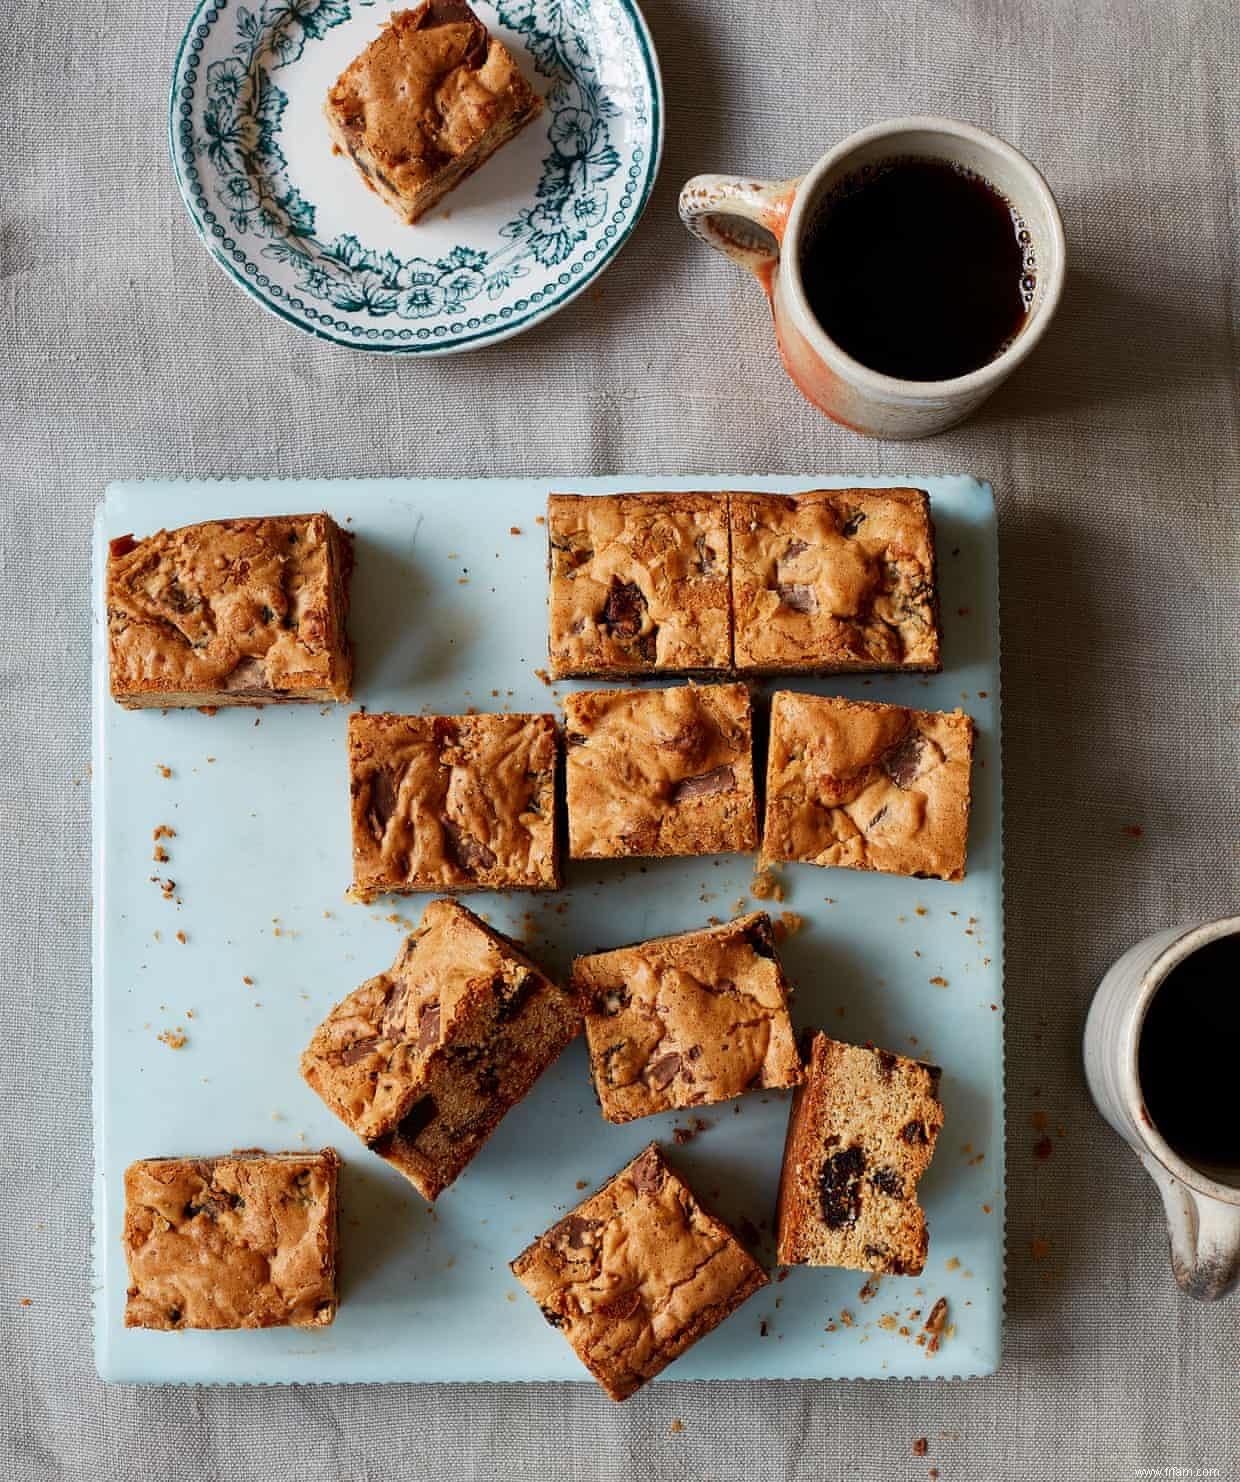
(761, 224)
(1203, 1209)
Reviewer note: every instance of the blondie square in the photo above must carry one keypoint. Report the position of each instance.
(832, 581)
(230, 612)
(464, 802)
(424, 1060)
(243, 1241)
(639, 584)
(687, 1020)
(861, 1135)
(431, 98)
(869, 787)
(637, 1273)
(660, 772)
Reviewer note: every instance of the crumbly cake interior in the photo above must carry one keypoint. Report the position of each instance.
(861, 1135)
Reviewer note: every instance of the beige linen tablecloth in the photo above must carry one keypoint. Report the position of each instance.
(1114, 458)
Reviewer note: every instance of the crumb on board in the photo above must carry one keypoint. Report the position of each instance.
(162, 770)
(1133, 830)
(582, 1184)
(1039, 1248)
(514, 530)
(940, 982)
(248, 981)
(163, 831)
(789, 923)
(920, 1446)
(1043, 1148)
(846, 1318)
(540, 519)
(676, 1427)
(175, 1039)
(160, 856)
(182, 938)
(543, 675)
(208, 709)
(952, 1263)
(935, 1325)
(870, 1290)
(766, 885)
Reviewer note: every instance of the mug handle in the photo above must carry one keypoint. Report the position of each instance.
(1204, 1234)
(743, 219)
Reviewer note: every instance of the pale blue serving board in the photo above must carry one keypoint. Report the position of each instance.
(449, 612)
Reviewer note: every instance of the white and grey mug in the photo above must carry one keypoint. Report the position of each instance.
(1202, 1205)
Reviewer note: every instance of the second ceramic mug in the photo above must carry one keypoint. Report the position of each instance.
(761, 225)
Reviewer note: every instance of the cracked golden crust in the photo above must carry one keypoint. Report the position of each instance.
(687, 1020)
(639, 584)
(637, 1273)
(231, 612)
(861, 1134)
(660, 772)
(463, 802)
(431, 98)
(424, 1060)
(868, 787)
(832, 581)
(244, 1241)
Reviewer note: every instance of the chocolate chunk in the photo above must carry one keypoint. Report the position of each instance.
(575, 1229)
(393, 1023)
(902, 762)
(663, 1071)
(761, 937)
(795, 547)
(647, 1173)
(415, 1121)
(466, 852)
(383, 794)
(512, 996)
(852, 522)
(721, 779)
(840, 1187)
(610, 1001)
(444, 13)
(886, 1063)
(888, 1181)
(914, 1133)
(625, 1305)
(879, 1253)
(797, 596)
(121, 546)
(705, 556)
(358, 1050)
(624, 610)
(428, 1026)
(552, 1317)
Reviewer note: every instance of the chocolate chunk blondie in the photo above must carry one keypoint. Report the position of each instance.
(424, 1060)
(230, 612)
(637, 1273)
(868, 787)
(639, 584)
(453, 802)
(687, 1020)
(431, 98)
(243, 1241)
(660, 772)
(861, 1135)
(831, 581)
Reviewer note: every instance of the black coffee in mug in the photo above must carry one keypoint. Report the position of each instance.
(918, 269)
(1188, 1056)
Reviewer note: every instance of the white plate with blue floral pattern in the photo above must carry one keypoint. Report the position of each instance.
(294, 224)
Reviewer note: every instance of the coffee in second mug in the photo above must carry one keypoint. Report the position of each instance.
(909, 273)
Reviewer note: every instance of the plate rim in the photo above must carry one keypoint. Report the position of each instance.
(477, 339)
